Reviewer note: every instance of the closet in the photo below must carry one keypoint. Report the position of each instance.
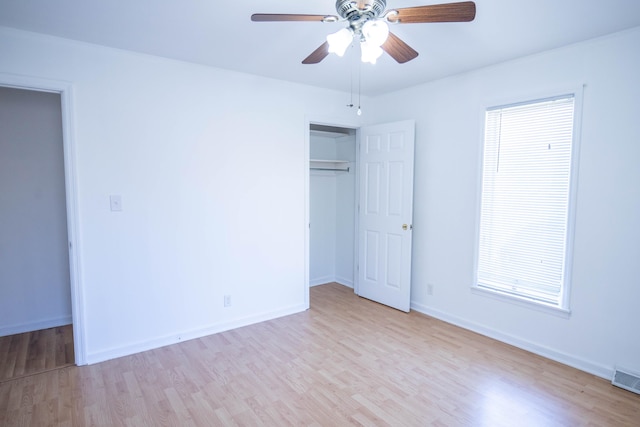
(332, 201)
(35, 288)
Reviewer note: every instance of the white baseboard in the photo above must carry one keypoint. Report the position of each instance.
(139, 347)
(321, 280)
(35, 325)
(330, 279)
(344, 282)
(566, 359)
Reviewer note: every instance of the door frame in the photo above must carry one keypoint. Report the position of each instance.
(344, 122)
(65, 90)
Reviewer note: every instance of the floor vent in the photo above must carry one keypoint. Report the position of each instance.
(626, 380)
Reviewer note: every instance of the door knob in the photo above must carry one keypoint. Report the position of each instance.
(405, 227)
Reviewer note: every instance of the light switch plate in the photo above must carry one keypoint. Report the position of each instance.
(116, 203)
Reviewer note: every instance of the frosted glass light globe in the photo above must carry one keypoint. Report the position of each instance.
(340, 41)
(370, 52)
(375, 32)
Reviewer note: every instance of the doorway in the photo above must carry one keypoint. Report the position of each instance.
(332, 205)
(39, 282)
(383, 159)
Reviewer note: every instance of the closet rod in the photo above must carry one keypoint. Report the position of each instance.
(331, 169)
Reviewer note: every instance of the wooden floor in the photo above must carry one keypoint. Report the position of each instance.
(346, 361)
(35, 352)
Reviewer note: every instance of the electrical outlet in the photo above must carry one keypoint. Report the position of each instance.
(429, 289)
(227, 300)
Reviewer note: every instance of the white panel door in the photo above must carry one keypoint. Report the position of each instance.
(386, 213)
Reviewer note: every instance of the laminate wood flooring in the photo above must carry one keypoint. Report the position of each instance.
(346, 361)
(35, 352)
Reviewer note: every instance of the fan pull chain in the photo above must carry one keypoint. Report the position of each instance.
(359, 86)
(350, 104)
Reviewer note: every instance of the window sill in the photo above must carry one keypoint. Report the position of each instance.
(522, 302)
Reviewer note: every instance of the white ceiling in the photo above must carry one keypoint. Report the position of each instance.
(221, 34)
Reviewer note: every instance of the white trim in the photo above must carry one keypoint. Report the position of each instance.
(35, 326)
(65, 89)
(526, 96)
(141, 346)
(572, 207)
(307, 209)
(356, 219)
(321, 280)
(331, 279)
(549, 353)
(344, 282)
(522, 302)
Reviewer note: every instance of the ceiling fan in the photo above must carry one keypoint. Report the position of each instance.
(368, 23)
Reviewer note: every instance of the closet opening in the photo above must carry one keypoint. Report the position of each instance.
(332, 205)
(35, 288)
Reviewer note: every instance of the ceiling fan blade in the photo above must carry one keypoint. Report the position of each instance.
(317, 55)
(451, 12)
(279, 17)
(398, 50)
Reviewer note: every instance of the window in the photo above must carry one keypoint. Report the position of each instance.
(525, 204)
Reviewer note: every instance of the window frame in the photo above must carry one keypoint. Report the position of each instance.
(563, 308)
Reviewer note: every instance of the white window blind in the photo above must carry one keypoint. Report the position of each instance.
(525, 199)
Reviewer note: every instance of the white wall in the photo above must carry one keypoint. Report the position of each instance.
(345, 211)
(322, 214)
(35, 291)
(602, 329)
(210, 165)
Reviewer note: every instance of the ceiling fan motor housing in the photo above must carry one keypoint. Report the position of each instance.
(357, 10)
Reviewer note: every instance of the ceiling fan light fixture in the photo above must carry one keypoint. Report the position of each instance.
(340, 41)
(370, 52)
(375, 32)
(369, 21)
